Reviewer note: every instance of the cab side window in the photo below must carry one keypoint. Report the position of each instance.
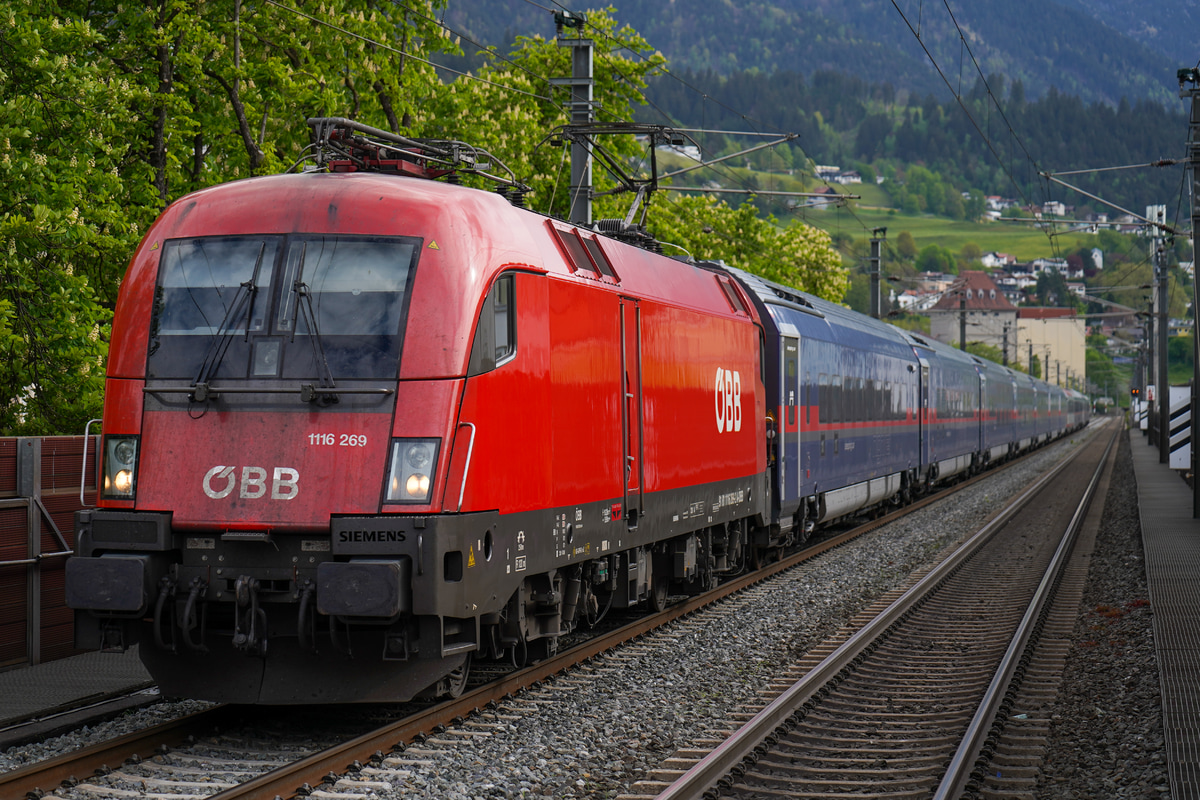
(496, 333)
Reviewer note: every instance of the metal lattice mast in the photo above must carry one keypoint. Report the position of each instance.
(1189, 89)
(877, 237)
(581, 83)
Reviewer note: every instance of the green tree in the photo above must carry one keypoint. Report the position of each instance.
(974, 205)
(1180, 359)
(934, 258)
(858, 293)
(795, 255)
(918, 323)
(1052, 290)
(988, 351)
(952, 203)
(62, 221)
(906, 245)
(111, 110)
(1111, 379)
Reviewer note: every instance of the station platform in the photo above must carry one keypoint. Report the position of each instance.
(1171, 540)
(43, 689)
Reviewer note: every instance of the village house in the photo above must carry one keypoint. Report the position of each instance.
(995, 260)
(974, 299)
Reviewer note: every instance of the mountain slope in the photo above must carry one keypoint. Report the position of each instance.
(1074, 45)
(1166, 26)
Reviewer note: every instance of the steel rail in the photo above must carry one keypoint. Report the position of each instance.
(962, 765)
(46, 775)
(706, 774)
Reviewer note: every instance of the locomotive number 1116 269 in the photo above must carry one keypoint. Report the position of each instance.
(338, 439)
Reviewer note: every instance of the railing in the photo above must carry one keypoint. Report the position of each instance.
(39, 495)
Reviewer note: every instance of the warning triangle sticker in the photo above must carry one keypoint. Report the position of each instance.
(434, 246)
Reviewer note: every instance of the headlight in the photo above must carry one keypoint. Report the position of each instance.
(411, 469)
(120, 467)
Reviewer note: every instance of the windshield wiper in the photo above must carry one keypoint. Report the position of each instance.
(309, 392)
(246, 293)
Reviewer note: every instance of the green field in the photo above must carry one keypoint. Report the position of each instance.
(872, 209)
(1017, 239)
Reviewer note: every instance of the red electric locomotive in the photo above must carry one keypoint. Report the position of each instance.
(362, 426)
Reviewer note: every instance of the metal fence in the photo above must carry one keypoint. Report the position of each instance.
(39, 494)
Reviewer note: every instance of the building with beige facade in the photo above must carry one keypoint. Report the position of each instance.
(1057, 337)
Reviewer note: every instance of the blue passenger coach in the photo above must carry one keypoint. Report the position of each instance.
(849, 394)
(864, 413)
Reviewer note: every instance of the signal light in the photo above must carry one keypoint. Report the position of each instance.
(1134, 392)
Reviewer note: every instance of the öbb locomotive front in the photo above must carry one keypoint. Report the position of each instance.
(360, 428)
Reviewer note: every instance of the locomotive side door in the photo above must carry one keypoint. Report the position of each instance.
(631, 408)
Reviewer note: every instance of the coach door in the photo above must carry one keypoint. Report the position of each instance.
(924, 413)
(789, 466)
(981, 408)
(631, 408)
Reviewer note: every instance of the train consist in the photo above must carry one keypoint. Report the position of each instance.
(362, 427)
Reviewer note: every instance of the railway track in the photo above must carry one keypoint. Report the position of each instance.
(185, 757)
(913, 702)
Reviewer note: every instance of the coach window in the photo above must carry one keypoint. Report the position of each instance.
(821, 401)
(810, 399)
(496, 334)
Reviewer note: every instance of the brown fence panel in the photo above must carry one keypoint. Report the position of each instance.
(39, 486)
(14, 583)
(8, 466)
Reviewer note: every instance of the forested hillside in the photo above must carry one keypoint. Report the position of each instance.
(1065, 45)
(850, 122)
(1167, 26)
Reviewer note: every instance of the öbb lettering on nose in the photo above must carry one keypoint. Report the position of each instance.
(220, 481)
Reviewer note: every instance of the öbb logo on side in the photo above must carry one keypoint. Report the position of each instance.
(729, 401)
(253, 483)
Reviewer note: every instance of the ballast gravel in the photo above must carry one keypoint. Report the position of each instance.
(592, 734)
(1106, 735)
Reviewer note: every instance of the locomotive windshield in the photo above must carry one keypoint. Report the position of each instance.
(302, 307)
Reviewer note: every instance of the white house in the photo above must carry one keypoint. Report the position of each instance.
(1058, 265)
(998, 260)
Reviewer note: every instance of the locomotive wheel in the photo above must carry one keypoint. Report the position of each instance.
(456, 681)
(758, 558)
(451, 685)
(520, 654)
(658, 596)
